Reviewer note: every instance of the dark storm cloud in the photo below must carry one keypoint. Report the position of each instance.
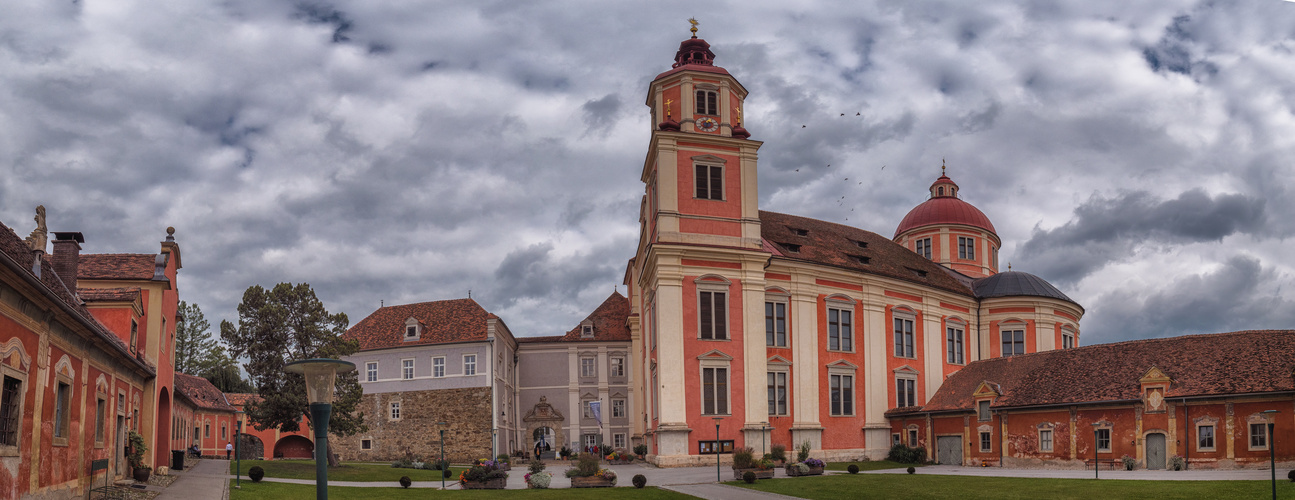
(326, 14)
(1106, 230)
(600, 113)
(535, 273)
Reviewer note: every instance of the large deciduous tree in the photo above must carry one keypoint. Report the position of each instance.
(285, 324)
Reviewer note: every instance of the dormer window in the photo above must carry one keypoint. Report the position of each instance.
(586, 329)
(413, 329)
(799, 231)
(791, 247)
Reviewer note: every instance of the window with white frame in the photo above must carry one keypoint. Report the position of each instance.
(590, 440)
(366, 444)
(923, 247)
(617, 367)
(707, 102)
(412, 329)
(587, 330)
(775, 324)
(714, 390)
(587, 410)
(1067, 338)
(407, 369)
(618, 441)
(712, 312)
(1258, 436)
(395, 410)
(1045, 437)
(953, 336)
(224, 430)
(618, 408)
(206, 429)
(1205, 437)
(1104, 440)
(62, 410)
(912, 436)
(1013, 341)
(588, 367)
(101, 414)
(469, 364)
(904, 335)
(710, 182)
(982, 411)
(966, 248)
(438, 366)
(10, 411)
(371, 371)
(840, 334)
(777, 382)
(841, 393)
(895, 439)
(986, 441)
(905, 391)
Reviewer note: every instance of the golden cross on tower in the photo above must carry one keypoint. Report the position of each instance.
(737, 114)
(667, 107)
(693, 22)
(941, 167)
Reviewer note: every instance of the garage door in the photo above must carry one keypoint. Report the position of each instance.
(949, 450)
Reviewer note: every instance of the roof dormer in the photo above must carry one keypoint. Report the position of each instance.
(587, 329)
(413, 329)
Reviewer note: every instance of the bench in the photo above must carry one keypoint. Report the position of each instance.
(1112, 462)
(108, 490)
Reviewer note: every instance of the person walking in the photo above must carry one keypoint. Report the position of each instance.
(229, 450)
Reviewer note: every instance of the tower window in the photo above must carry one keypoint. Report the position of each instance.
(966, 248)
(707, 102)
(924, 247)
(710, 182)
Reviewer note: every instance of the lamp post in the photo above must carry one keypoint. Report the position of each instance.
(1272, 448)
(321, 378)
(444, 468)
(718, 449)
(1097, 464)
(764, 449)
(238, 458)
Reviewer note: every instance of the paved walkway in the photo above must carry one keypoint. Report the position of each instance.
(206, 480)
(1148, 475)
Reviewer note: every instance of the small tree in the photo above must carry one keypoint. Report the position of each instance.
(137, 450)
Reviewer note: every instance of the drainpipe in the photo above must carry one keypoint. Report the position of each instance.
(979, 324)
(1187, 433)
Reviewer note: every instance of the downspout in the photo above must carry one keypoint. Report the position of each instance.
(494, 400)
(1187, 430)
(979, 324)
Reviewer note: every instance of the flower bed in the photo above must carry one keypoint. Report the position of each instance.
(810, 467)
(592, 482)
(485, 474)
(586, 473)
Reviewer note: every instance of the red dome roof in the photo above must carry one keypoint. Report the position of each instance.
(944, 210)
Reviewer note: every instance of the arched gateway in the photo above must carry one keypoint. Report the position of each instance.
(544, 426)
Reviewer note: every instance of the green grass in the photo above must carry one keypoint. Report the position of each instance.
(284, 491)
(305, 469)
(870, 465)
(922, 486)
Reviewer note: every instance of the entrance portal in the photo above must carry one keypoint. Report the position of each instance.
(949, 450)
(1155, 451)
(542, 442)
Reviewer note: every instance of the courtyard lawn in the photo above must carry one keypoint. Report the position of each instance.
(284, 491)
(920, 486)
(348, 471)
(870, 465)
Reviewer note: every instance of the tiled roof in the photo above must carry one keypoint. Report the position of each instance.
(201, 393)
(837, 245)
(122, 294)
(609, 321)
(1199, 365)
(442, 321)
(241, 398)
(116, 266)
(535, 340)
(1016, 283)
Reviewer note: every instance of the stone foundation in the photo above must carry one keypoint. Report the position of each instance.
(467, 437)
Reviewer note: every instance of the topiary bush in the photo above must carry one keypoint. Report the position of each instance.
(405, 481)
(256, 473)
(743, 458)
(911, 470)
(853, 469)
(445, 472)
(640, 449)
(640, 480)
(749, 477)
(1291, 475)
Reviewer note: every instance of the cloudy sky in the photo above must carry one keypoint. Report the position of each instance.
(1136, 154)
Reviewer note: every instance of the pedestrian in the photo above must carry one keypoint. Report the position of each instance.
(229, 450)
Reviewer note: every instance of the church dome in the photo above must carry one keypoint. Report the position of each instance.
(944, 207)
(1016, 284)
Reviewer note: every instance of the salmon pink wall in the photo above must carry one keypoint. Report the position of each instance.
(703, 426)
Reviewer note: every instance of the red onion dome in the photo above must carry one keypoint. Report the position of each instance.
(944, 208)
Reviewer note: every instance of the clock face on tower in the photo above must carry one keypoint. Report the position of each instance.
(707, 124)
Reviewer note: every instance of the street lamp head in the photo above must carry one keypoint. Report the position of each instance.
(321, 375)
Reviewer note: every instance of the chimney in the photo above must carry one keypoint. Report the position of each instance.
(67, 257)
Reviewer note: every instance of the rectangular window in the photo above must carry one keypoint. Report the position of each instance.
(1067, 341)
(710, 182)
(224, 431)
(407, 369)
(134, 334)
(966, 248)
(366, 444)
(905, 392)
(206, 430)
(894, 439)
(618, 441)
(707, 102)
(986, 441)
(1205, 437)
(62, 410)
(714, 314)
(912, 437)
(1104, 440)
(411, 331)
(591, 440)
(953, 337)
(710, 447)
(714, 391)
(9, 399)
(1045, 440)
(588, 367)
(982, 411)
(438, 366)
(395, 410)
(777, 393)
(1013, 342)
(618, 367)
(100, 414)
(903, 338)
(923, 247)
(618, 408)
(371, 371)
(842, 394)
(775, 324)
(1258, 436)
(839, 334)
(586, 410)
(469, 364)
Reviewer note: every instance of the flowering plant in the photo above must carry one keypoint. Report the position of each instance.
(483, 470)
(538, 480)
(607, 474)
(814, 462)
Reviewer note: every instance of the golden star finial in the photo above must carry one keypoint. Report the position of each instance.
(694, 23)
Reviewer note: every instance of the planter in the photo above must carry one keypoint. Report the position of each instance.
(759, 473)
(489, 484)
(621, 461)
(591, 482)
(141, 474)
(504, 466)
(813, 471)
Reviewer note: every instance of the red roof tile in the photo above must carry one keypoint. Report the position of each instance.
(609, 322)
(241, 398)
(203, 395)
(116, 266)
(1199, 365)
(122, 294)
(442, 321)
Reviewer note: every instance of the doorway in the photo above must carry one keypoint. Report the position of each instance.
(120, 455)
(1155, 451)
(949, 450)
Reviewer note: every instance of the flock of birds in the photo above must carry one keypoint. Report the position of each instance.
(840, 202)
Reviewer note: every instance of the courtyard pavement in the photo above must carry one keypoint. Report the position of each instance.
(206, 480)
(1147, 475)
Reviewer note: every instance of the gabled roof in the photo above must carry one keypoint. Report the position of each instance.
(837, 245)
(456, 320)
(116, 266)
(1217, 364)
(199, 391)
(609, 321)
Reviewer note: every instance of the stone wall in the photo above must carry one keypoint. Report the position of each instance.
(467, 435)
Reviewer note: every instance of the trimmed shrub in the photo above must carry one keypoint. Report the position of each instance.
(743, 458)
(640, 449)
(1291, 475)
(911, 470)
(405, 481)
(640, 480)
(445, 473)
(853, 469)
(749, 477)
(256, 473)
